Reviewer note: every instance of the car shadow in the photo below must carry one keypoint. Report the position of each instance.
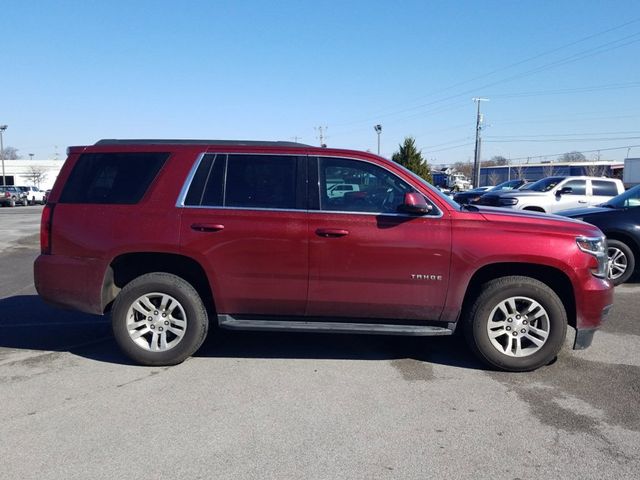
(27, 323)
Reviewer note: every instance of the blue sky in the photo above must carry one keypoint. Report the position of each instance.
(560, 75)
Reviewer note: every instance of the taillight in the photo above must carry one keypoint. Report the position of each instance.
(45, 229)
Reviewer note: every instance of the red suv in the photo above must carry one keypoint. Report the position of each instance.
(172, 235)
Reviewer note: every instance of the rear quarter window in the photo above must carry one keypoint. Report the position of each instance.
(112, 178)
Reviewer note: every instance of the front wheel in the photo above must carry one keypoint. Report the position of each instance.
(516, 324)
(622, 261)
(159, 319)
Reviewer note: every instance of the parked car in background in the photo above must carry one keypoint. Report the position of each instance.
(34, 194)
(552, 194)
(5, 199)
(341, 189)
(472, 196)
(15, 197)
(619, 220)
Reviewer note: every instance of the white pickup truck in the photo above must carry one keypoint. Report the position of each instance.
(34, 194)
(553, 194)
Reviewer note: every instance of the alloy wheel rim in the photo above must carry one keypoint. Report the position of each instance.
(156, 322)
(518, 326)
(618, 263)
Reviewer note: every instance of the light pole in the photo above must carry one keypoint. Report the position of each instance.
(378, 129)
(2, 129)
(476, 156)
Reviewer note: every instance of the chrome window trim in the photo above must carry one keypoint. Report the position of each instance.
(187, 184)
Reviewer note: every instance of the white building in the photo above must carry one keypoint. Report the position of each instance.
(41, 173)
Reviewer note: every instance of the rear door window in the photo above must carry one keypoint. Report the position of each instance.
(112, 178)
(248, 181)
(604, 188)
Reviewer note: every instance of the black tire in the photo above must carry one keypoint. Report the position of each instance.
(623, 249)
(492, 294)
(195, 314)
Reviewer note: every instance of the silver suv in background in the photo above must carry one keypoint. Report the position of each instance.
(553, 194)
(13, 196)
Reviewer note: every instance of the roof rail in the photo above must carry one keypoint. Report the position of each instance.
(248, 143)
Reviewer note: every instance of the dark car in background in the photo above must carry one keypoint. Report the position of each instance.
(472, 196)
(619, 220)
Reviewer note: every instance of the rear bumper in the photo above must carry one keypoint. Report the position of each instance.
(69, 282)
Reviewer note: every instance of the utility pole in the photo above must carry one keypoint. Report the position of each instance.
(378, 129)
(2, 129)
(476, 156)
(322, 135)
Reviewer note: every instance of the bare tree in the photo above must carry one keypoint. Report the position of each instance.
(519, 171)
(593, 170)
(463, 167)
(548, 170)
(10, 153)
(572, 157)
(36, 174)
(494, 178)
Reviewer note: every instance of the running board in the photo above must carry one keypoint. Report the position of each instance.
(231, 323)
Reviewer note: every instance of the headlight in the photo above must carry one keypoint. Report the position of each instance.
(596, 246)
(508, 201)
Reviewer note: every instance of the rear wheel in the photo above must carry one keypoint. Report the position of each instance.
(516, 324)
(159, 319)
(622, 261)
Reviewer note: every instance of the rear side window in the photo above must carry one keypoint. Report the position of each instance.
(604, 188)
(245, 181)
(112, 178)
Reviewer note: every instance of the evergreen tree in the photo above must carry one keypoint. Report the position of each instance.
(410, 157)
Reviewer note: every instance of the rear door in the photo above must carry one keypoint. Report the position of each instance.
(245, 220)
(367, 259)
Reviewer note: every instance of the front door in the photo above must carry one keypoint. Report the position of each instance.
(366, 258)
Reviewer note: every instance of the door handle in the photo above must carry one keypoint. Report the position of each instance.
(332, 232)
(582, 201)
(207, 227)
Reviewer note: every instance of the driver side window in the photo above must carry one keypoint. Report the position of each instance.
(357, 186)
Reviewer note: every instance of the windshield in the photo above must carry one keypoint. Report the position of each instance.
(545, 184)
(508, 185)
(630, 198)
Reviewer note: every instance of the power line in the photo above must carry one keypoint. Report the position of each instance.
(547, 140)
(582, 151)
(565, 134)
(613, 86)
(507, 67)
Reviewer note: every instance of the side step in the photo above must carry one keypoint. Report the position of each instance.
(231, 323)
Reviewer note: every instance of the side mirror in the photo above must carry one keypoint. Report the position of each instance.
(414, 202)
(563, 191)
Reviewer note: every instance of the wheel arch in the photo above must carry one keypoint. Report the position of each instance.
(126, 267)
(556, 279)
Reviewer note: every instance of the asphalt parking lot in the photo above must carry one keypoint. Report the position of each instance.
(311, 406)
